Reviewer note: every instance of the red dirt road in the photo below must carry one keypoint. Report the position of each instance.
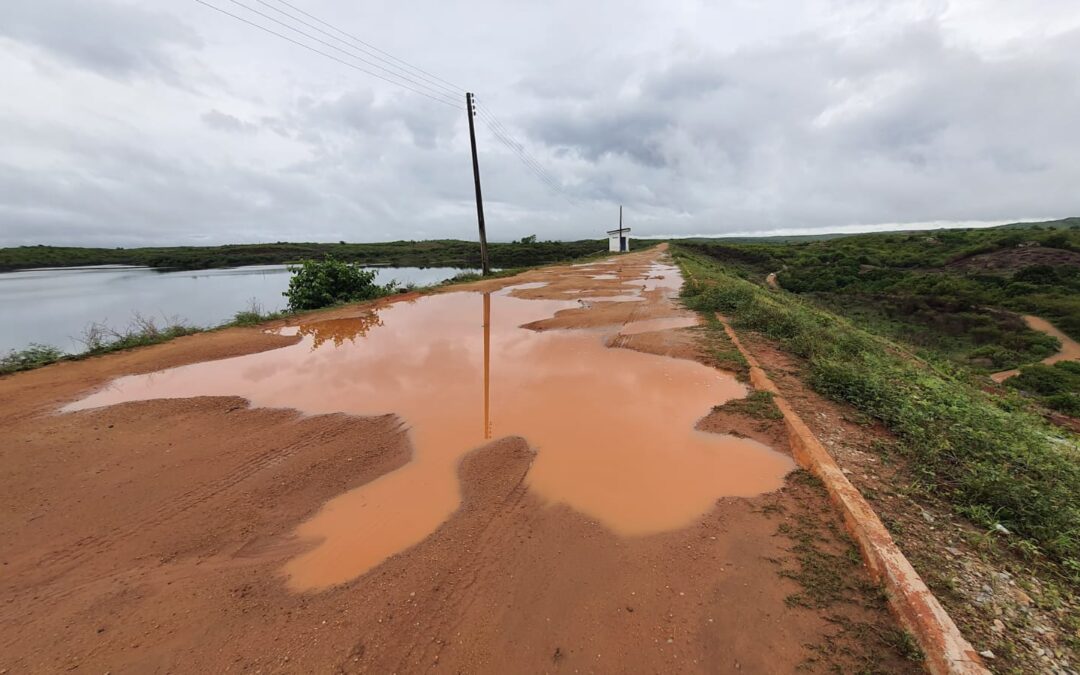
(151, 536)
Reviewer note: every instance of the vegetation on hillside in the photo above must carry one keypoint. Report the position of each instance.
(437, 253)
(998, 463)
(1057, 387)
(956, 292)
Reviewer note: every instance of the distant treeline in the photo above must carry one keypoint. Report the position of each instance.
(434, 253)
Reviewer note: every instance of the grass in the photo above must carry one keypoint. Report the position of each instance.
(254, 314)
(996, 463)
(827, 568)
(758, 404)
(100, 338)
(720, 351)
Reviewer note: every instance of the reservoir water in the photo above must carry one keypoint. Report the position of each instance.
(53, 306)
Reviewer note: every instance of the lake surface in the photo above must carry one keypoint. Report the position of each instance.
(54, 305)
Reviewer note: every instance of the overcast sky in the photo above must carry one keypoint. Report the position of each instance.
(165, 122)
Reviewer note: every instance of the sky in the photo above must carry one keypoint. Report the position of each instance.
(165, 122)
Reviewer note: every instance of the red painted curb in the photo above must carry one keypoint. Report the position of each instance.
(945, 648)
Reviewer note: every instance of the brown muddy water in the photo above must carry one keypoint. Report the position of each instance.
(613, 429)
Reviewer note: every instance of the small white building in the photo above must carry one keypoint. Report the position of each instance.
(619, 240)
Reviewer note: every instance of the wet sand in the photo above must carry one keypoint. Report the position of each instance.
(354, 494)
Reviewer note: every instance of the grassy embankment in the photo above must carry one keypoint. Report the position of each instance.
(953, 295)
(438, 253)
(99, 338)
(996, 462)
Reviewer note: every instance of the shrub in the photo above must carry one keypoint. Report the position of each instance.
(1046, 380)
(1066, 402)
(32, 357)
(321, 283)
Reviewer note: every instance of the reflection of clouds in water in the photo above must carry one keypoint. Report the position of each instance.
(263, 370)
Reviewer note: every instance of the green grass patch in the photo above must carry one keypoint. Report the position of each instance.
(758, 404)
(996, 464)
(720, 351)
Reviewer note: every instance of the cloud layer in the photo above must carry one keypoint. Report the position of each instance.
(167, 122)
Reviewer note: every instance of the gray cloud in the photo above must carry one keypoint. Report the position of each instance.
(699, 119)
(113, 39)
(215, 119)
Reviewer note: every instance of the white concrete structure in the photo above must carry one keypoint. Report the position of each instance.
(619, 240)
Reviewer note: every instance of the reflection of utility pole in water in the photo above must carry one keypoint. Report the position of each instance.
(487, 365)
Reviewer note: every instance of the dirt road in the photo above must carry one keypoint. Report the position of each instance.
(521, 475)
(1070, 348)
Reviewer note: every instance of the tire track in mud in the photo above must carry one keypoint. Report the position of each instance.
(443, 615)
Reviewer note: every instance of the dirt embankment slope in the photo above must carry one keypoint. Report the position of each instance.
(150, 536)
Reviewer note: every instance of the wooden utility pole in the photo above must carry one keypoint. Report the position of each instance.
(487, 365)
(486, 268)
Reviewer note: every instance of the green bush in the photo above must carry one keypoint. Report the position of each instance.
(32, 357)
(1047, 380)
(1057, 386)
(321, 283)
(1066, 402)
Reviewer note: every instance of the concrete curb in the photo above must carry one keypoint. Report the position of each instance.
(945, 649)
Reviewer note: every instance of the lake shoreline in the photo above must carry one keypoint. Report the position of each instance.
(58, 307)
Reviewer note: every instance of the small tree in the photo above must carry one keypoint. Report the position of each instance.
(321, 283)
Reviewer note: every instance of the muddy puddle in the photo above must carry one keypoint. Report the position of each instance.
(613, 429)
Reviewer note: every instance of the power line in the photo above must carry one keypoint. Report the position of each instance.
(371, 46)
(531, 164)
(508, 139)
(500, 128)
(503, 135)
(406, 75)
(347, 52)
(402, 72)
(322, 53)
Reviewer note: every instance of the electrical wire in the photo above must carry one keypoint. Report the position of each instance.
(322, 53)
(405, 75)
(347, 52)
(431, 83)
(503, 135)
(453, 86)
